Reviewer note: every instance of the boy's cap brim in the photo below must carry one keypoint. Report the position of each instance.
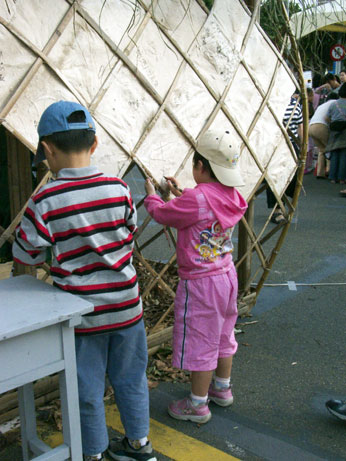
(218, 147)
(40, 155)
(55, 120)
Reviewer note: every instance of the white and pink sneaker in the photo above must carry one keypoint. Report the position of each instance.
(222, 397)
(186, 411)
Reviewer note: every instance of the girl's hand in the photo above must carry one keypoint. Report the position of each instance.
(149, 187)
(173, 186)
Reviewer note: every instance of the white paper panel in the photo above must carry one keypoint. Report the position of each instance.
(126, 109)
(281, 168)
(156, 58)
(233, 21)
(214, 56)
(26, 113)
(34, 19)
(185, 177)
(250, 173)
(191, 103)
(120, 99)
(265, 137)
(83, 58)
(110, 158)
(182, 19)
(243, 99)
(164, 149)
(278, 100)
(261, 68)
(119, 20)
(15, 61)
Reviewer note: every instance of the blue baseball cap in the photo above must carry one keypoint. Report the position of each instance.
(55, 120)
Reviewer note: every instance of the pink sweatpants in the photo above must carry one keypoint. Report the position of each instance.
(205, 314)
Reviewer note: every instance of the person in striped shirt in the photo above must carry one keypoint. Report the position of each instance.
(88, 221)
(293, 121)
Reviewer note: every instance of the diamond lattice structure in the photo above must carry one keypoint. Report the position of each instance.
(155, 74)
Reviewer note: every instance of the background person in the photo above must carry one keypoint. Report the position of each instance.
(337, 139)
(319, 133)
(293, 120)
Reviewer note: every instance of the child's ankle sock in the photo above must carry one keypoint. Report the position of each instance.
(197, 399)
(136, 444)
(221, 383)
(93, 457)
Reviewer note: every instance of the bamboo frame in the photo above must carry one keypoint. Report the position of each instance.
(250, 242)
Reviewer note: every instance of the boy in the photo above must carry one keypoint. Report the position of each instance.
(88, 220)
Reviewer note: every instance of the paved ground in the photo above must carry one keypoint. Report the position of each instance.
(288, 364)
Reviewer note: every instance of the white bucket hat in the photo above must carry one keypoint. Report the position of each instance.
(219, 148)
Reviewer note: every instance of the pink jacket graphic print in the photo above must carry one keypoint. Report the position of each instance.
(204, 217)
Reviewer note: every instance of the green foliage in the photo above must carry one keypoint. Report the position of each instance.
(273, 21)
(314, 48)
(209, 3)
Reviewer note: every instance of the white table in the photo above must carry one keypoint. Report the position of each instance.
(37, 339)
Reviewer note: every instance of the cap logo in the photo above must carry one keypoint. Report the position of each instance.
(235, 159)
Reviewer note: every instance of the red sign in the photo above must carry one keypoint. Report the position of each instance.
(337, 52)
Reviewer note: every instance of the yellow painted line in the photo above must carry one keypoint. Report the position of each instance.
(172, 443)
(169, 442)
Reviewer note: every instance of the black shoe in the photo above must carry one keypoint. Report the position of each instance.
(337, 408)
(121, 450)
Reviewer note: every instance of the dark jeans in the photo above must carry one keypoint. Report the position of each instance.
(337, 170)
(271, 200)
(123, 355)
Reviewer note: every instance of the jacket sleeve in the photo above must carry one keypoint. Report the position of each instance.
(180, 212)
(32, 238)
(131, 214)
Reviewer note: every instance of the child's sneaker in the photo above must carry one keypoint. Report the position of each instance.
(121, 450)
(186, 411)
(222, 397)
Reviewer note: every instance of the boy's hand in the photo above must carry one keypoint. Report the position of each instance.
(149, 187)
(173, 186)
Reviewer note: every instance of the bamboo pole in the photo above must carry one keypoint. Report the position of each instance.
(244, 243)
(300, 173)
(20, 186)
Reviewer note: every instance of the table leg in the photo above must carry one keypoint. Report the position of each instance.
(69, 396)
(27, 415)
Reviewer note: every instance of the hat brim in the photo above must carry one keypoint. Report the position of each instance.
(227, 176)
(40, 155)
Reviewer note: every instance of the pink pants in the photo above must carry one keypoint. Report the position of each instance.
(205, 314)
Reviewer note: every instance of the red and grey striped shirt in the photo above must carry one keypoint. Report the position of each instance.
(88, 220)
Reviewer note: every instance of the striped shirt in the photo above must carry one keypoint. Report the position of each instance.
(294, 120)
(88, 220)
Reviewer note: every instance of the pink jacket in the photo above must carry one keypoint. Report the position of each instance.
(205, 217)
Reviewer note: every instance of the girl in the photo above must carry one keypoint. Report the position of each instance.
(206, 299)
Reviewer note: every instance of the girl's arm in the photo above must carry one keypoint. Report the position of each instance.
(180, 212)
